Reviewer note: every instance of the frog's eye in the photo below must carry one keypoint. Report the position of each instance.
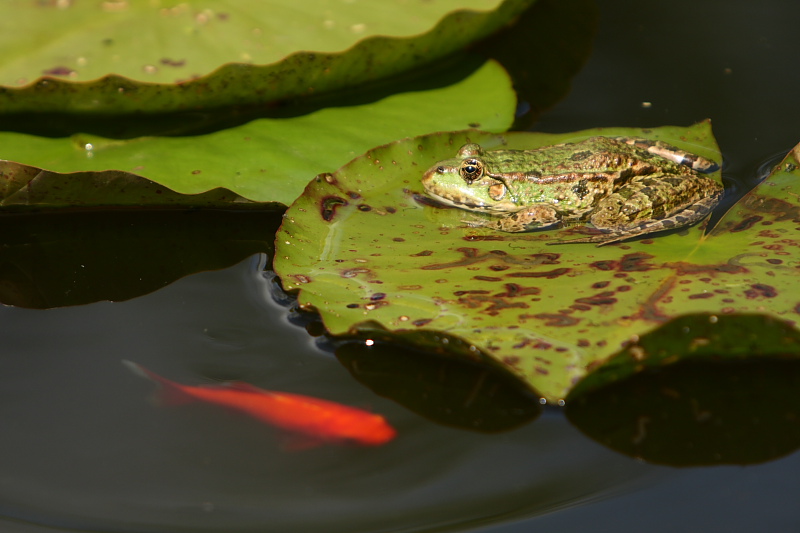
(471, 169)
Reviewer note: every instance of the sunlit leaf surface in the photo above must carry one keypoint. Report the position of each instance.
(272, 159)
(140, 56)
(365, 249)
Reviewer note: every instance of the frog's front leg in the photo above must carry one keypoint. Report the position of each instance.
(535, 216)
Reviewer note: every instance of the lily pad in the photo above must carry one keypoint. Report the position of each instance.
(273, 159)
(134, 57)
(367, 250)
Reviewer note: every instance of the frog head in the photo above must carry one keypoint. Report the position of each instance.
(464, 182)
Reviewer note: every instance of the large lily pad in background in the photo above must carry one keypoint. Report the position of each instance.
(138, 56)
(367, 251)
(273, 159)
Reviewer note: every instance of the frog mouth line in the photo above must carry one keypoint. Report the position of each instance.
(463, 203)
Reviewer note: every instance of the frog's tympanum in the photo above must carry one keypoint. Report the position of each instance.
(624, 187)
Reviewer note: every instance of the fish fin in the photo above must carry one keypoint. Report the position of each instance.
(168, 393)
(244, 387)
(137, 369)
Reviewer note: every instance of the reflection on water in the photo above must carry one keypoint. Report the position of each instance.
(89, 453)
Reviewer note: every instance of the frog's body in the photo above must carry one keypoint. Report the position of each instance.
(623, 187)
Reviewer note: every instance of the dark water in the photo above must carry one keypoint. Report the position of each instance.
(82, 449)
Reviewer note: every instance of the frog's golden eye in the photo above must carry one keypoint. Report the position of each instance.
(471, 169)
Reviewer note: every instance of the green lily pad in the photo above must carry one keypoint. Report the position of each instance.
(273, 159)
(134, 57)
(366, 250)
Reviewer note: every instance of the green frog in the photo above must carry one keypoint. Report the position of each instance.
(624, 187)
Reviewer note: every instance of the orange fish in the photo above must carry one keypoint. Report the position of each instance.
(317, 421)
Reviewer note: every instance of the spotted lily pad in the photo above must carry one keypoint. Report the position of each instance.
(135, 56)
(367, 250)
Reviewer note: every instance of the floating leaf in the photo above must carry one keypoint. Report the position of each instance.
(273, 159)
(135, 56)
(366, 249)
(25, 188)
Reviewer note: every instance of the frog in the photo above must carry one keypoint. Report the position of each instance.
(625, 187)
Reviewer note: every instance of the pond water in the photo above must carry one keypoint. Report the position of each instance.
(83, 449)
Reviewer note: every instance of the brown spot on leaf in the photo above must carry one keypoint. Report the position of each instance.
(473, 238)
(353, 272)
(462, 293)
(422, 322)
(513, 290)
(495, 305)
(173, 62)
(328, 206)
(603, 298)
(701, 296)
(555, 320)
(471, 256)
(58, 71)
(601, 284)
(551, 274)
(635, 262)
(424, 253)
(757, 290)
(780, 209)
(682, 268)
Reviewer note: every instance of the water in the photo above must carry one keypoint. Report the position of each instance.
(83, 450)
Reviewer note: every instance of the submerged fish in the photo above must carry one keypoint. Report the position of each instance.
(317, 421)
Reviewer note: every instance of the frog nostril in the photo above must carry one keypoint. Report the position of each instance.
(440, 170)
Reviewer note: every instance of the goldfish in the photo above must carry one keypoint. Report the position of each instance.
(315, 420)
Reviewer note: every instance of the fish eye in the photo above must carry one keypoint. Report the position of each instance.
(471, 169)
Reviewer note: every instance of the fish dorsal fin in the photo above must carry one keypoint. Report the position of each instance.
(244, 387)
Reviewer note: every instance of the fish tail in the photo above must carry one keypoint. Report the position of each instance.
(168, 393)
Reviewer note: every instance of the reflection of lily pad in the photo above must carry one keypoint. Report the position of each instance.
(122, 57)
(456, 392)
(272, 159)
(733, 401)
(363, 244)
(60, 259)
